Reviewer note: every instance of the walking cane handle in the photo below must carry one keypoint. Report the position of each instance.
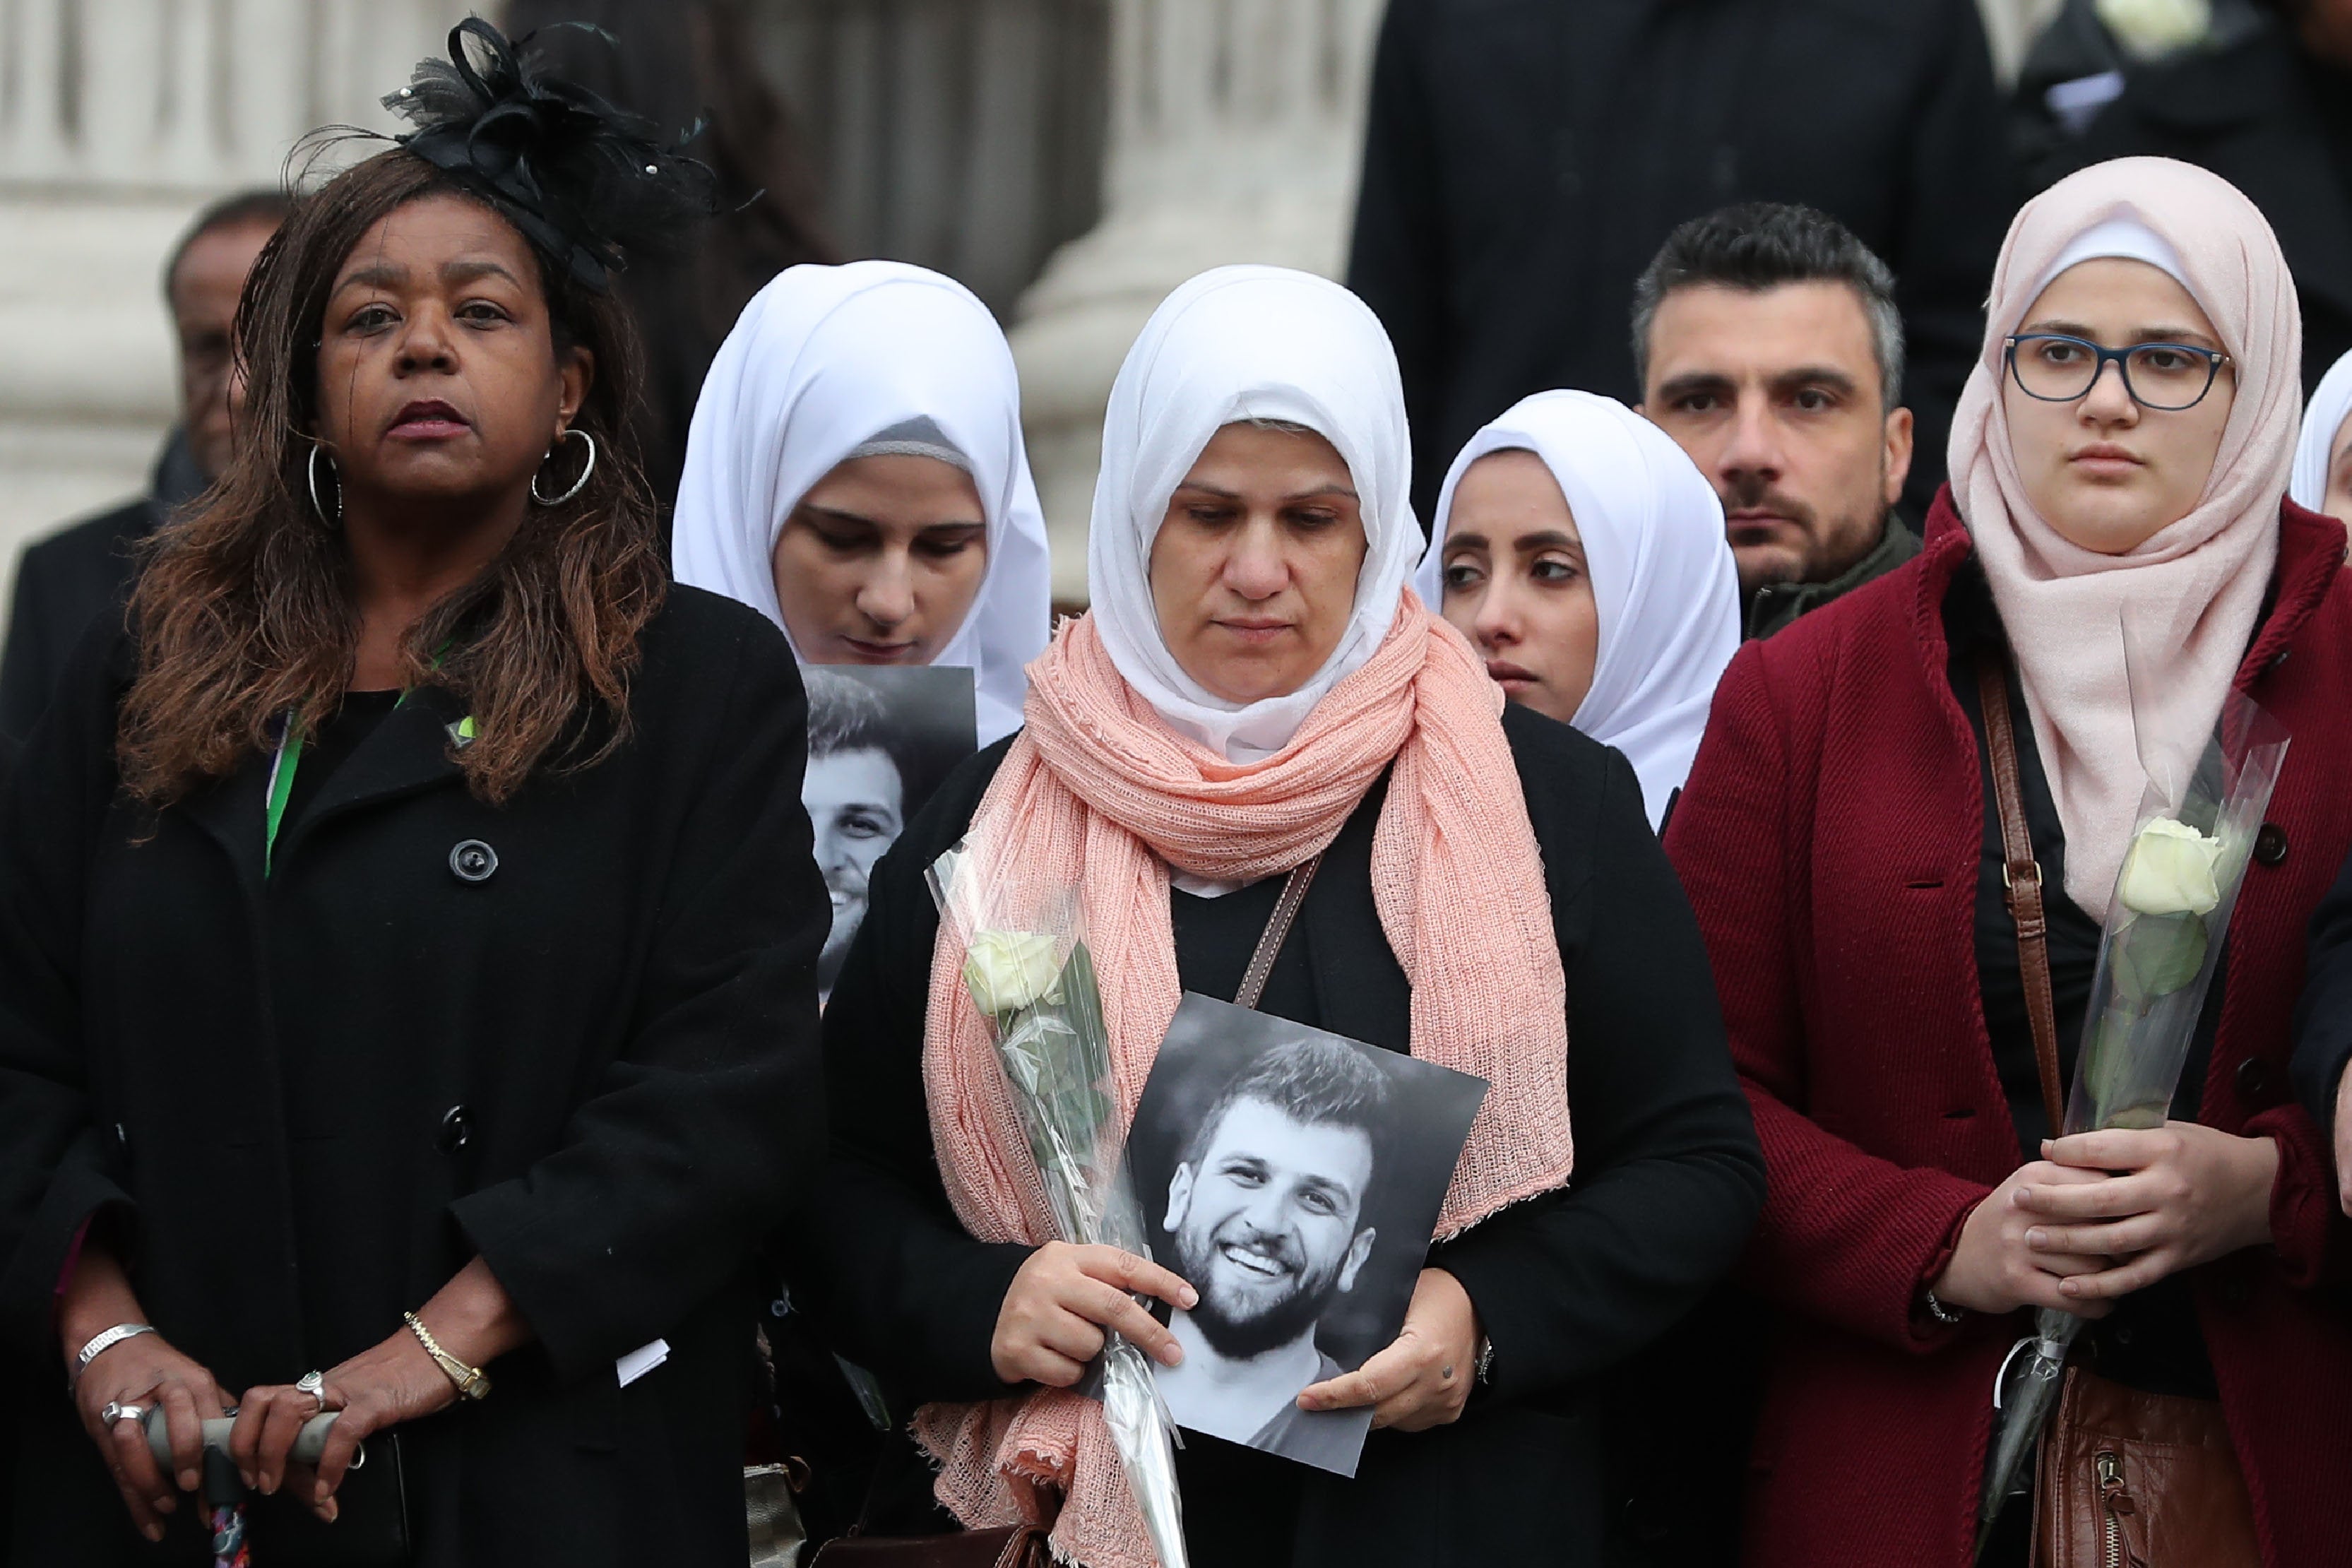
(308, 1445)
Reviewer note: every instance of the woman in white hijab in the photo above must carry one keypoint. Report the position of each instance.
(856, 473)
(1584, 554)
(2323, 458)
(1257, 713)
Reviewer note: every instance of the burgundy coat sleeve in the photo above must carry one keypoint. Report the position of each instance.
(2305, 1214)
(1847, 1238)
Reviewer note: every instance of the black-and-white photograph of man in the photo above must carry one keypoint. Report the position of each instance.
(1293, 1177)
(880, 739)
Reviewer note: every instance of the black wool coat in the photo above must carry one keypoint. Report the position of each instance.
(307, 1101)
(1668, 1177)
(67, 579)
(1525, 159)
(2275, 124)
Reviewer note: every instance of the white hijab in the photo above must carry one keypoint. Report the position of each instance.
(2322, 426)
(1664, 581)
(823, 359)
(1246, 343)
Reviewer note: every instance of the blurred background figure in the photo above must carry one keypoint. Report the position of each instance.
(1525, 160)
(67, 579)
(2259, 91)
(2075, 65)
(690, 60)
(1769, 343)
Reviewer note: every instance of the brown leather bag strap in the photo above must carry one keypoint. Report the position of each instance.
(1277, 929)
(2021, 876)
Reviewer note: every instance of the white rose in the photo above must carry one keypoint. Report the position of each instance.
(1010, 970)
(2149, 29)
(2169, 870)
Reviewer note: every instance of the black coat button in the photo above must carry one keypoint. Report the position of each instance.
(457, 1130)
(474, 861)
(2270, 844)
(2255, 1081)
(2235, 1292)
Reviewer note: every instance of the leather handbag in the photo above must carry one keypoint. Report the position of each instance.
(1012, 1546)
(2129, 1479)
(2124, 1479)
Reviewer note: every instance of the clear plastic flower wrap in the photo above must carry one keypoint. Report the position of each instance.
(2162, 942)
(1032, 979)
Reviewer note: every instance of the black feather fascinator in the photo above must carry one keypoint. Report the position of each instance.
(588, 182)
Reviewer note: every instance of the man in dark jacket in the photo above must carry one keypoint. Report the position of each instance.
(1525, 158)
(2271, 113)
(68, 578)
(1767, 343)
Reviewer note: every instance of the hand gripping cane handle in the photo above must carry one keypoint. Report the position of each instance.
(307, 1446)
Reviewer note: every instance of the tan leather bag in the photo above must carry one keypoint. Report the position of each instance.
(2129, 1479)
(2125, 1479)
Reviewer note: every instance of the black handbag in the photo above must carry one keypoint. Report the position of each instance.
(371, 1528)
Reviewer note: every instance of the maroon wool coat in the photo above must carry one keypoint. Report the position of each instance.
(1829, 839)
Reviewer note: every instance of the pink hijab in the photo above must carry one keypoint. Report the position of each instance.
(2206, 573)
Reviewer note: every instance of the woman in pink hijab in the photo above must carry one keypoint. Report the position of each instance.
(2121, 451)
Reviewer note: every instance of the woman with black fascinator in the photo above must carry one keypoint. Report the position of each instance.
(407, 922)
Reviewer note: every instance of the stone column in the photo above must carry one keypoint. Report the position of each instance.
(118, 120)
(1235, 132)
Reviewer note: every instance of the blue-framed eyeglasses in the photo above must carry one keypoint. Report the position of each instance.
(2167, 377)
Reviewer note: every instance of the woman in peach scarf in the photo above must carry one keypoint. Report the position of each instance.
(1255, 686)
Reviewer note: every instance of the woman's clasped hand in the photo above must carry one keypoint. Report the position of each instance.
(2105, 1214)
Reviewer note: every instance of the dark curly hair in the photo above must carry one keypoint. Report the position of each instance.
(244, 612)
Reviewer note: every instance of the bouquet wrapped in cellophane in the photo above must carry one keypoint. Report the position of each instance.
(1033, 981)
(2158, 952)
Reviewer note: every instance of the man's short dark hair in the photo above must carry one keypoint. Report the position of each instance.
(844, 714)
(261, 207)
(1757, 245)
(1315, 1082)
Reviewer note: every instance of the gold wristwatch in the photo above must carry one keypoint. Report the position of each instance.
(472, 1381)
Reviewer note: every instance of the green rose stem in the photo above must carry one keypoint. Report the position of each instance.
(1055, 1050)
(2153, 957)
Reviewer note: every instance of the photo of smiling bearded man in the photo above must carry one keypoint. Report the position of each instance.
(1265, 1217)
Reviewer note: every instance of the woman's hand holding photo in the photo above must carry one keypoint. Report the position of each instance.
(1424, 1378)
(1062, 1300)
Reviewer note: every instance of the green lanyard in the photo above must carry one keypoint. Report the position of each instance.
(290, 759)
(282, 789)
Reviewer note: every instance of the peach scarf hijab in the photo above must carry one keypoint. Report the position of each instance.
(1103, 787)
(2206, 573)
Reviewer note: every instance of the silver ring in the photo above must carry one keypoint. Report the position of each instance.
(116, 1414)
(314, 1384)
